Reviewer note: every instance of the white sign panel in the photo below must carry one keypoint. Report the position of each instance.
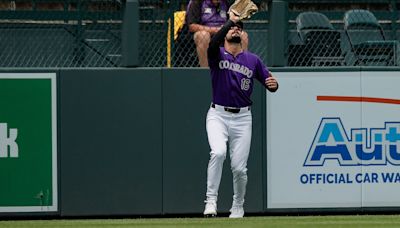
(333, 140)
(381, 119)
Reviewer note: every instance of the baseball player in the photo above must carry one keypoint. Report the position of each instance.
(229, 118)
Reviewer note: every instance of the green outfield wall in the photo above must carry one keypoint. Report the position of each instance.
(133, 142)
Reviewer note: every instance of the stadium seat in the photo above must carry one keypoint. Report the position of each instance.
(308, 22)
(320, 42)
(369, 46)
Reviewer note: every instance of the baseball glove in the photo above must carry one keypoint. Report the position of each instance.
(244, 9)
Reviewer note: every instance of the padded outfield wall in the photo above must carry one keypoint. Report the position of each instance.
(344, 134)
(131, 142)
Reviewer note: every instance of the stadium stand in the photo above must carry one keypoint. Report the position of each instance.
(368, 43)
(73, 33)
(57, 33)
(153, 25)
(320, 42)
(386, 13)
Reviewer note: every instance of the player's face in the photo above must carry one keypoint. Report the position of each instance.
(234, 34)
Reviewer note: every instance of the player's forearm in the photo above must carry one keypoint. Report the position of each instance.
(219, 38)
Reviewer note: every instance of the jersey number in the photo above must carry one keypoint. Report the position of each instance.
(245, 84)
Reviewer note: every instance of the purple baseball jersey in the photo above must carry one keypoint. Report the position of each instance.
(233, 77)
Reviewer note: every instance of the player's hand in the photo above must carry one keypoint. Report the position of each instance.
(233, 17)
(271, 82)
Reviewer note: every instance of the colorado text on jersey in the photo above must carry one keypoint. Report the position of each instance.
(225, 64)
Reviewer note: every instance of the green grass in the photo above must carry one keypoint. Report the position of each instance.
(364, 221)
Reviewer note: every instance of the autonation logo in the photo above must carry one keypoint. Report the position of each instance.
(362, 147)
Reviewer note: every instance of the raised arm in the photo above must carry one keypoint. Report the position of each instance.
(219, 37)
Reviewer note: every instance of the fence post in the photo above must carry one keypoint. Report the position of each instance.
(277, 33)
(79, 49)
(395, 12)
(130, 34)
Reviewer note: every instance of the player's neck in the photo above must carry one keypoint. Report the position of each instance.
(233, 48)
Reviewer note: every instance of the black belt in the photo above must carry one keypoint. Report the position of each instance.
(228, 109)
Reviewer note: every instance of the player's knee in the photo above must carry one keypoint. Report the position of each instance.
(239, 171)
(219, 153)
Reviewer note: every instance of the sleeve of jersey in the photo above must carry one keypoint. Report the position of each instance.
(213, 48)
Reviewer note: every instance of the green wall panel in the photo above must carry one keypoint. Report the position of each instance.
(110, 131)
(186, 99)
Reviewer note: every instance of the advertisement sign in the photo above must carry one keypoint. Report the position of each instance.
(333, 140)
(28, 146)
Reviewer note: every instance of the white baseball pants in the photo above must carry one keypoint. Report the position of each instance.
(234, 128)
